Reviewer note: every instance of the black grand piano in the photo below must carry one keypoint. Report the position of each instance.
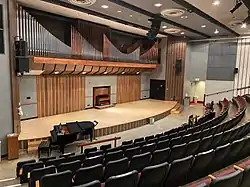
(62, 135)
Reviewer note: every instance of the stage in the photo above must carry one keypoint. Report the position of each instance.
(111, 120)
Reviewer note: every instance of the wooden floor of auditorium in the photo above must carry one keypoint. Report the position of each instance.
(120, 114)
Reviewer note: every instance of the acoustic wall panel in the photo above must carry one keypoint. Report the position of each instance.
(175, 81)
(221, 61)
(128, 88)
(59, 94)
(242, 78)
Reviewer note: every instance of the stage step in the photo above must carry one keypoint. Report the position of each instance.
(104, 106)
(177, 109)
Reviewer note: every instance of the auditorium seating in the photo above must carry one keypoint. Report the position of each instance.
(181, 154)
(36, 174)
(91, 184)
(138, 162)
(125, 180)
(231, 180)
(90, 174)
(71, 166)
(62, 179)
(93, 161)
(153, 175)
(116, 167)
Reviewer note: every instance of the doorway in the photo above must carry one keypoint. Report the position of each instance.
(157, 89)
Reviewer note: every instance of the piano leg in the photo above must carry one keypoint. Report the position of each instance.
(91, 135)
(62, 148)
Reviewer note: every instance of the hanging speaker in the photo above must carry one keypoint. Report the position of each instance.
(21, 48)
(22, 64)
(155, 28)
(236, 70)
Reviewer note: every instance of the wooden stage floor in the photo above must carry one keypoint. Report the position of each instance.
(126, 113)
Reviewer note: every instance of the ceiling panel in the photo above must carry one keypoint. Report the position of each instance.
(193, 21)
(222, 13)
(129, 15)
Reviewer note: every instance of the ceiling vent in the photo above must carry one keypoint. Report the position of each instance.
(172, 31)
(175, 12)
(83, 2)
(235, 23)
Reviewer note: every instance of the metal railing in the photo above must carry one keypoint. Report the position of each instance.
(225, 91)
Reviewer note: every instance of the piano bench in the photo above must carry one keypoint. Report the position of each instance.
(44, 146)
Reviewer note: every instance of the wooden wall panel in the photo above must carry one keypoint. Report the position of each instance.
(175, 82)
(128, 88)
(59, 94)
(12, 33)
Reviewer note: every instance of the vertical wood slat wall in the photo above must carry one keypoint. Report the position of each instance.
(128, 88)
(59, 94)
(174, 82)
(242, 78)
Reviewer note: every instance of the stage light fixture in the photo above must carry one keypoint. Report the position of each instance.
(237, 6)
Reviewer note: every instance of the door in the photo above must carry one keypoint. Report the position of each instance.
(157, 89)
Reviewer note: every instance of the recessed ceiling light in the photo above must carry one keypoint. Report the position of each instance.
(105, 72)
(203, 26)
(216, 3)
(244, 25)
(56, 72)
(158, 4)
(182, 33)
(164, 26)
(184, 17)
(137, 72)
(123, 72)
(105, 6)
(131, 15)
(119, 11)
(216, 31)
(84, 73)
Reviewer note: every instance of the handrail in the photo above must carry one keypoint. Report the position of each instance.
(98, 141)
(225, 91)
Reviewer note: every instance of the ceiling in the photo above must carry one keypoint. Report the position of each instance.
(222, 14)
(133, 15)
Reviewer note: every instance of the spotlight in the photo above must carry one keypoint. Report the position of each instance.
(236, 7)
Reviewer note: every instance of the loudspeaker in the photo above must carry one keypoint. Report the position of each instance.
(22, 64)
(236, 70)
(155, 27)
(178, 66)
(21, 48)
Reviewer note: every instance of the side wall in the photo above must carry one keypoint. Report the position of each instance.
(6, 120)
(196, 68)
(242, 79)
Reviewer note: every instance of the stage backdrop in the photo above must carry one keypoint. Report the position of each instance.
(50, 95)
(128, 88)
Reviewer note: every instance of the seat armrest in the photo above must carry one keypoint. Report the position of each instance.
(238, 168)
(212, 177)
